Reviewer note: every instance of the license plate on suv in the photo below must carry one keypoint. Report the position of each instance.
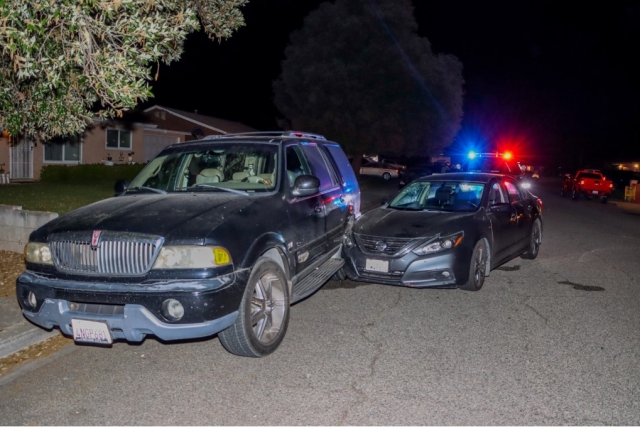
(91, 332)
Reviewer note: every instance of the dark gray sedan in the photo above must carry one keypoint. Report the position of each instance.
(446, 230)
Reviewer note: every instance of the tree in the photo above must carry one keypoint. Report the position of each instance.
(63, 62)
(358, 72)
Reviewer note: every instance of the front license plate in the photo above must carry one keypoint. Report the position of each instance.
(90, 332)
(377, 265)
(594, 191)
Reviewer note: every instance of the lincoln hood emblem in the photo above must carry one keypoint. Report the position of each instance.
(95, 239)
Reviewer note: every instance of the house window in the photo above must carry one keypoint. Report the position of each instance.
(118, 138)
(63, 150)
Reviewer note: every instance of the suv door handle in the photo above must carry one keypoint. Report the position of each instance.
(318, 209)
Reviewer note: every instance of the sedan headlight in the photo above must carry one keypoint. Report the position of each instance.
(439, 244)
(38, 253)
(192, 257)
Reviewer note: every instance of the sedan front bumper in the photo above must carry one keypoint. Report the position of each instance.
(447, 269)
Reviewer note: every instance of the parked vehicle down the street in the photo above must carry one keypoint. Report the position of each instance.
(218, 235)
(446, 230)
(587, 183)
(379, 169)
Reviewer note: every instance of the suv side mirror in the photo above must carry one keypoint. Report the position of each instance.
(306, 185)
(121, 187)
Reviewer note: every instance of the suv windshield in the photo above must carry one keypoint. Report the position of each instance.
(451, 196)
(233, 167)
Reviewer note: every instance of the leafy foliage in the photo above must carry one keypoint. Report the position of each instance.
(358, 72)
(65, 61)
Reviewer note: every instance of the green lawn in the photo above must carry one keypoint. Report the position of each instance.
(53, 197)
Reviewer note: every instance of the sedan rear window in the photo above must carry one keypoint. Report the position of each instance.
(452, 196)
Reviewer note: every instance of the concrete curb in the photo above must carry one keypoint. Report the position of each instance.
(21, 336)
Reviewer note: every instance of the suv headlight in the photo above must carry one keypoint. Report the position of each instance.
(38, 253)
(192, 257)
(439, 244)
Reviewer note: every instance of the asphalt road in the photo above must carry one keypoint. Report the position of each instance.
(554, 341)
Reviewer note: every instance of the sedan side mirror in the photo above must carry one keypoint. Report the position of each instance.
(306, 185)
(121, 187)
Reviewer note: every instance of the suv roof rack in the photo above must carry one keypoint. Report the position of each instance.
(273, 134)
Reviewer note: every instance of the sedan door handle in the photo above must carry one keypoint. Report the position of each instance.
(318, 209)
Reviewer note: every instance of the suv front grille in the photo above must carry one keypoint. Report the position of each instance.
(382, 245)
(116, 254)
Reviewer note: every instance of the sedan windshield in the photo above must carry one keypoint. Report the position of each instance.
(451, 196)
(237, 168)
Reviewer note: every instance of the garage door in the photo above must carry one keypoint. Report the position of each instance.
(153, 144)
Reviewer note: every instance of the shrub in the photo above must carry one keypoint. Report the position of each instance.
(89, 173)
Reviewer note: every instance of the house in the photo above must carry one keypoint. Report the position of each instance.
(138, 137)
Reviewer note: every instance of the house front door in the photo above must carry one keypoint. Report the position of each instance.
(21, 159)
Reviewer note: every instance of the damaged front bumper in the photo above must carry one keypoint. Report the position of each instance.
(133, 310)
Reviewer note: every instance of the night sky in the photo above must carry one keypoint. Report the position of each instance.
(556, 80)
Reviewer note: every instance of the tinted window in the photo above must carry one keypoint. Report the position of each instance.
(348, 176)
(296, 164)
(512, 190)
(319, 167)
(589, 175)
(497, 194)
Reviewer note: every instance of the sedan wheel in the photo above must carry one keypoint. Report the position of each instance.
(477, 268)
(386, 176)
(263, 314)
(534, 242)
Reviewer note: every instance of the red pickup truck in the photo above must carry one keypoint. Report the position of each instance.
(588, 183)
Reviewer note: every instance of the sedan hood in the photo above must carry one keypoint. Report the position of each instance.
(176, 217)
(409, 224)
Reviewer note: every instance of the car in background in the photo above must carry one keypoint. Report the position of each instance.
(446, 230)
(502, 163)
(215, 236)
(587, 183)
(393, 164)
(380, 169)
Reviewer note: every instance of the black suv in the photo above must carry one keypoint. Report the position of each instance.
(218, 235)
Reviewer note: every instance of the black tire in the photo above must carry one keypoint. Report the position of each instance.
(263, 314)
(534, 242)
(604, 199)
(340, 275)
(477, 267)
(386, 176)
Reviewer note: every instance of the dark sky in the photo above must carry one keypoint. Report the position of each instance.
(556, 78)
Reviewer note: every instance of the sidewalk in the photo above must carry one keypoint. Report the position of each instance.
(628, 207)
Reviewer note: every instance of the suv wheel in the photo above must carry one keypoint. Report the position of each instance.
(263, 315)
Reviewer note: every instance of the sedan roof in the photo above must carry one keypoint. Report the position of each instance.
(461, 176)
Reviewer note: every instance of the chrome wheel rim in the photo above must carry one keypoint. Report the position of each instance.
(536, 239)
(268, 308)
(480, 262)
